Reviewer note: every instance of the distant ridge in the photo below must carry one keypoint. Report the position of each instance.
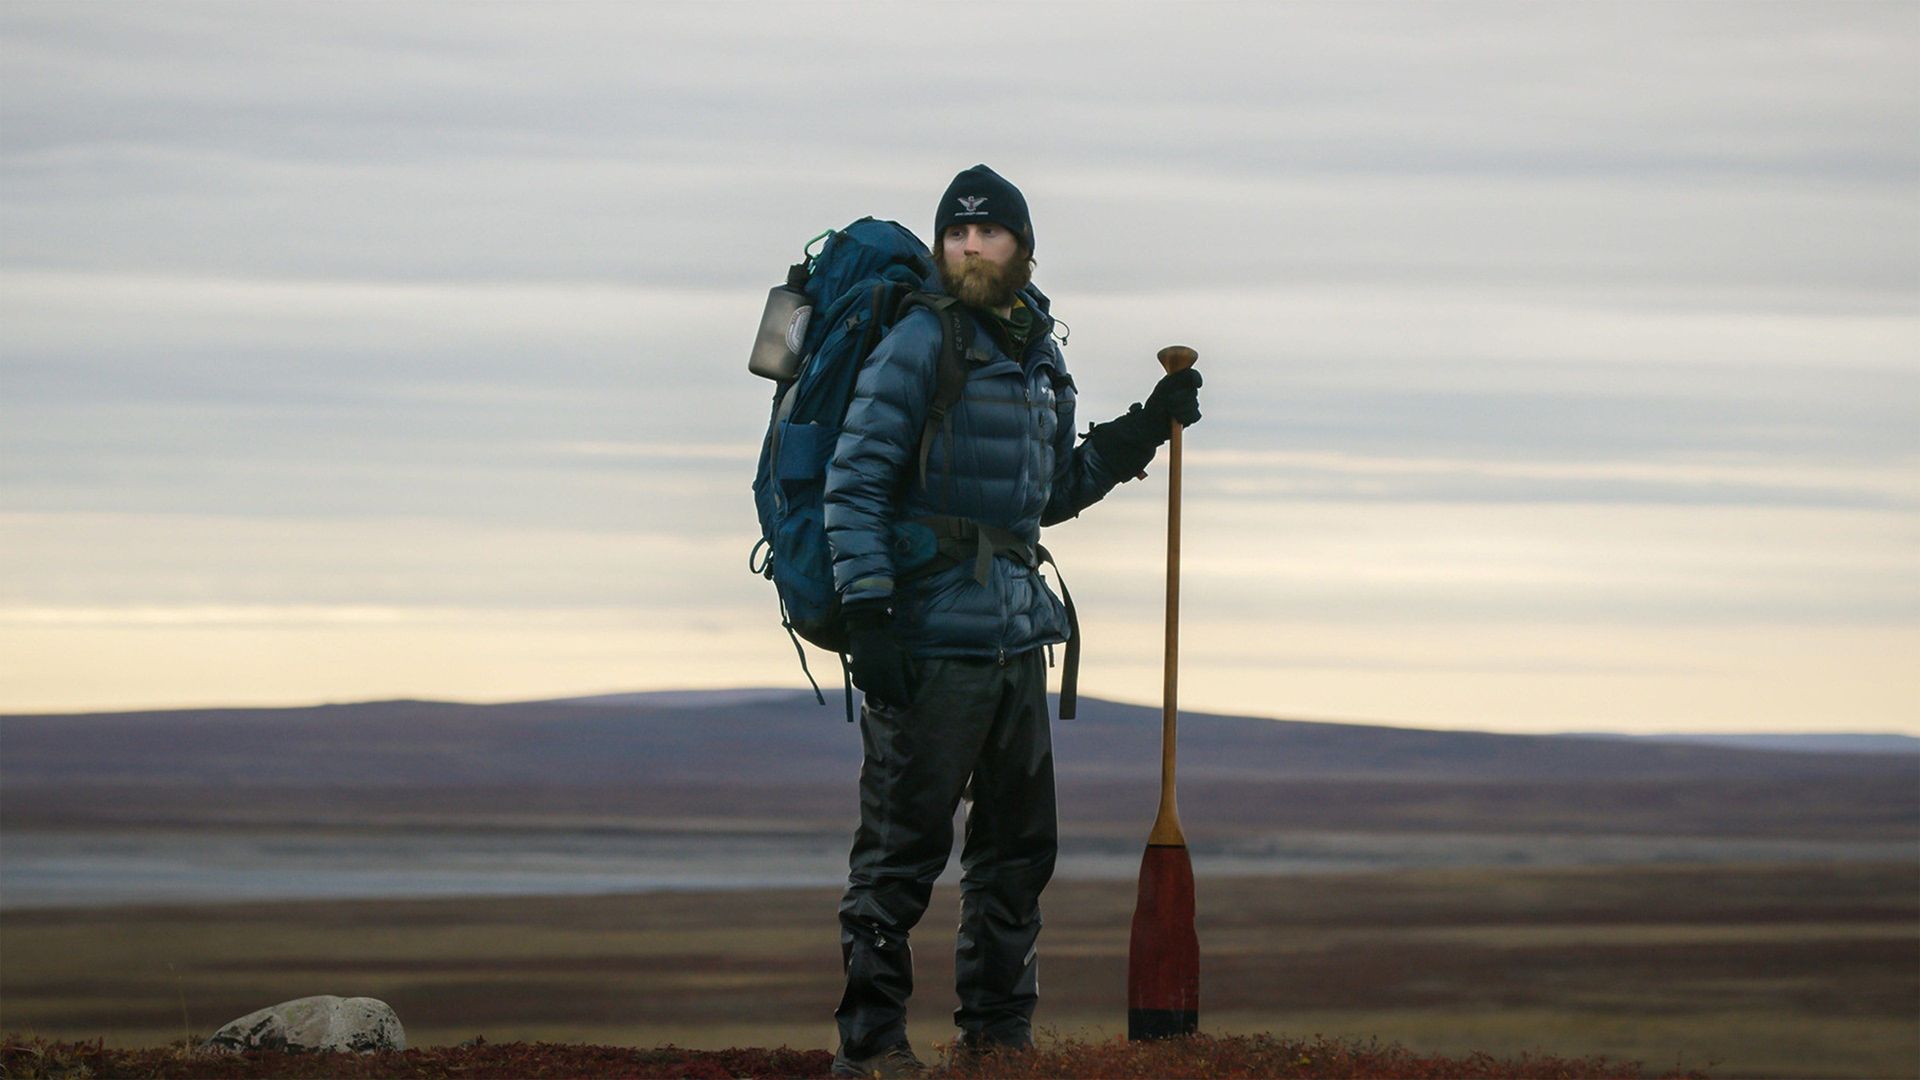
(762, 757)
(683, 699)
(1838, 742)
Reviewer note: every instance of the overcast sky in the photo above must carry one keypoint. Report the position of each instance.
(1562, 360)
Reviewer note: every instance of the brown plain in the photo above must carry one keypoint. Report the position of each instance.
(1774, 970)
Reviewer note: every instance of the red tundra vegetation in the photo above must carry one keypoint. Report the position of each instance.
(25, 1058)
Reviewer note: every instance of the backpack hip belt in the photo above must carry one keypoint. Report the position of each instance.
(961, 540)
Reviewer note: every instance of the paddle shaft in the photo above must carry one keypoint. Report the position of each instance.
(1166, 824)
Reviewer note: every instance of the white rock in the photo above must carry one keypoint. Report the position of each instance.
(322, 1023)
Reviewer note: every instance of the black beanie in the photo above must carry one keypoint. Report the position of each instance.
(980, 194)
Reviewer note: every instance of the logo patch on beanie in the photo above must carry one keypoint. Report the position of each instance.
(971, 203)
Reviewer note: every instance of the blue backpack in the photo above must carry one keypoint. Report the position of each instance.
(864, 279)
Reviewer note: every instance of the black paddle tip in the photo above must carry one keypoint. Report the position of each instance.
(1161, 1023)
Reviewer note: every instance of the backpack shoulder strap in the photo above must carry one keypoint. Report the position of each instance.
(950, 380)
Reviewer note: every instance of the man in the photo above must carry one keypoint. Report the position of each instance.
(945, 641)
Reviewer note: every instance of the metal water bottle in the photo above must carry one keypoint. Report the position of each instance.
(783, 328)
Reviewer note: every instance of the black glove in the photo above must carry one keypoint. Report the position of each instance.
(1127, 443)
(1176, 397)
(877, 663)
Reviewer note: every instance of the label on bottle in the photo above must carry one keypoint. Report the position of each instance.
(797, 329)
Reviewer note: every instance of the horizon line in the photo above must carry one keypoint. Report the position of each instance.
(784, 691)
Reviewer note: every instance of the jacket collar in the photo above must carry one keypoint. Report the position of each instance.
(1042, 320)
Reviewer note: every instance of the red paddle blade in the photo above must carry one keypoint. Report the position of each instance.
(1163, 964)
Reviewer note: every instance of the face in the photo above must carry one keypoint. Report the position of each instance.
(984, 239)
(983, 264)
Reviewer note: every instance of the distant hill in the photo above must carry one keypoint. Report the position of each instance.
(760, 758)
(1844, 742)
(692, 699)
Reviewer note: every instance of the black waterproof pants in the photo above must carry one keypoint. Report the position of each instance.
(977, 729)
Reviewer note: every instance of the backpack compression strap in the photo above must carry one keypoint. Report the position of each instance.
(1070, 674)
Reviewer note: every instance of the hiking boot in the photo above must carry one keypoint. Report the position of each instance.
(886, 1064)
(972, 1047)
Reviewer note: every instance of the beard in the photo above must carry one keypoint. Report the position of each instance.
(977, 282)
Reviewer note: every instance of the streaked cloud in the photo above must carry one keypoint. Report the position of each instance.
(1556, 354)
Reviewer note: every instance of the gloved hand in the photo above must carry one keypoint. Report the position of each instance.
(1127, 443)
(1176, 397)
(874, 657)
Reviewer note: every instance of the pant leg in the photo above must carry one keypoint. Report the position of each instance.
(917, 761)
(1012, 837)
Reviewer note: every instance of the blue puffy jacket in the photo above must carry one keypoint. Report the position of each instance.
(1011, 462)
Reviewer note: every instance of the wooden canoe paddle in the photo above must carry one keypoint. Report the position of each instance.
(1163, 959)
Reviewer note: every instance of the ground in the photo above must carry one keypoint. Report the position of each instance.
(1777, 970)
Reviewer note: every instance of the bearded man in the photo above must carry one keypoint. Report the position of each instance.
(936, 559)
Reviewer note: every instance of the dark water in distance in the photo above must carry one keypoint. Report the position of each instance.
(91, 868)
